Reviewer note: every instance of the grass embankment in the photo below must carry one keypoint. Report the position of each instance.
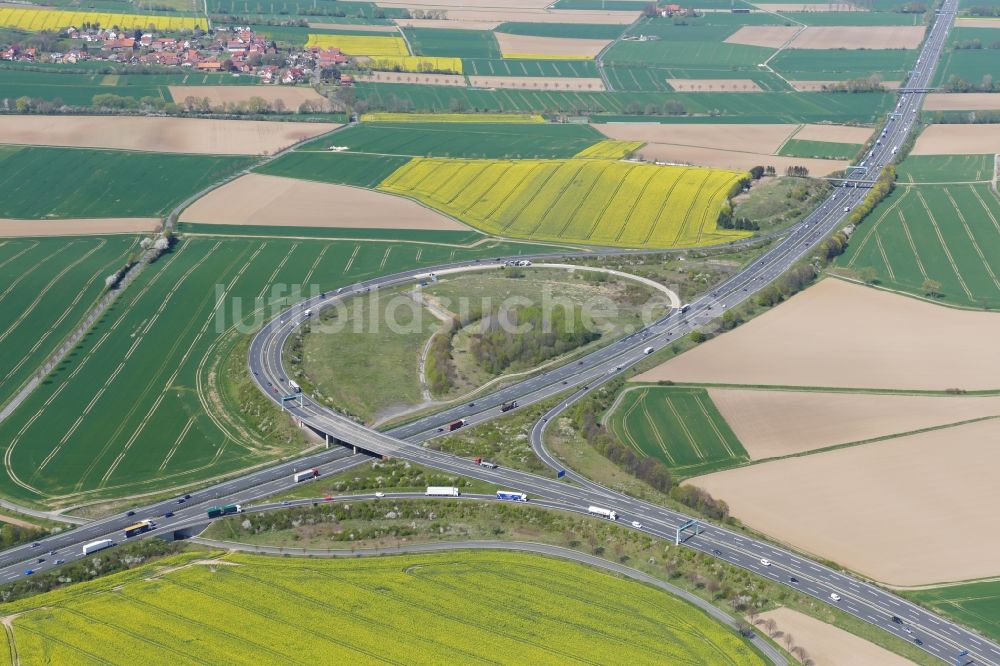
(454, 607)
(373, 371)
(774, 203)
(391, 523)
(976, 604)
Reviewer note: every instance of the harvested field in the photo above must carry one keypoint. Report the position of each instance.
(714, 85)
(494, 15)
(448, 24)
(762, 138)
(834, 133)
(512, 46)
(962, 102)
(958, 140)
(733, 159)
(817, 86)
(814, 339)
(768, 36)
(828, 645)
(409, 77)
(971, 22)
(170, 135)
(808, 7)
(537, 82)
(869, 507)
(354, 27)
(115, 225)
(256, 199)
(291, 96)
(859, 37)
(779, 423)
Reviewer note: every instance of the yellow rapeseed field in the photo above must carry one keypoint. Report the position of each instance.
(452, 118)
(609, 149)
(416, 64)
(36, 20)
(444, 608)
(596, 201)
(361, 45)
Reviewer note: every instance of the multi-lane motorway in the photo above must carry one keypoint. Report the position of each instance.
(867, 602)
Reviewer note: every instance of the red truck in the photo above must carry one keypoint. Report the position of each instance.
(456, 425)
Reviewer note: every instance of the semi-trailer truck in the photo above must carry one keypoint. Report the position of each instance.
(507, 406)
(306, 475)
(95, 546)
(603, 513)
(511, 496)
(217, 511)
(486, 463)
(456, 425)
(442, 491)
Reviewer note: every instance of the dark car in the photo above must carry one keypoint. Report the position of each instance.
(918, 641)
(28, 572)
(181, 500)
(472, 404)
(716, 552)
(35, 545)
(130, 513)
(41, 559)
(187, 497)
(897, 619)
(793, 579)
(168, 514)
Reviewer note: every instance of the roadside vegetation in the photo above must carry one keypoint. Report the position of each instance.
(775, 203)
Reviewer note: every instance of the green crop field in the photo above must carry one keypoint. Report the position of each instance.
(970, 64)
(491, 140)
(565, 30)
(79, 87)
(945, 168)
(136, 406)
(696, 46)
(463, 607)
(457, 43)
(48, 284)
(595, 201)
(517, 67)
(855, 18)
(843, 64)
(765, 107)
(42, 182)
(680, 426)
(948, 234)
(822, 149)
(975, 605)
(343, 168)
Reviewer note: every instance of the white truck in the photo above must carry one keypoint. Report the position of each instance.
(308, 312)
(294, 386)
(306, 475)
(603, 513)
(442, 491)
(648, 350)
(95, 546)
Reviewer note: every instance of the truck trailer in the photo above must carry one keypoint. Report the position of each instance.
(456, 425)
(442, 491)
(217, 511)
(511, 496)
(95, 546)
(306, 475)
(139, 527)
(507, 406)
(603, 513)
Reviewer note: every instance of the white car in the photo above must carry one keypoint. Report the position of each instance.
(766, 562)
(380, 494)
(834, 596)
(847, 208)
(636, 524)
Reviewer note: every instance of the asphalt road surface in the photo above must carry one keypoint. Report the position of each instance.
(869, 603)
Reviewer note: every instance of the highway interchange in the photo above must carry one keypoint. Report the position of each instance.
(867, 602)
